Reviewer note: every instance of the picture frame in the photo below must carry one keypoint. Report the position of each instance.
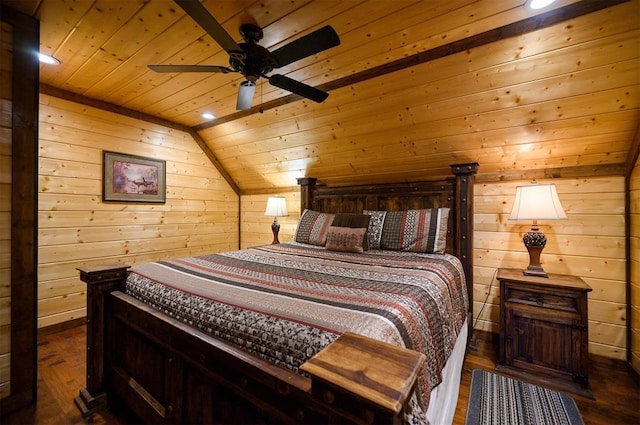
(132, 178)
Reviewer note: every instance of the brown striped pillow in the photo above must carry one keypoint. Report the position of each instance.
(412, 230)
(312, 227)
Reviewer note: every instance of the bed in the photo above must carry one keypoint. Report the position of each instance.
(247, 336)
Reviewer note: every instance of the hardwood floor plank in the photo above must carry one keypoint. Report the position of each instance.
(61, 374)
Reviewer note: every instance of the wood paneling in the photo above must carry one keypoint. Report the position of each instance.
(589, 244)
(414, 85)
(559, 101)
(548, 108)
(255, 228)
(77, 228)
(634, 275)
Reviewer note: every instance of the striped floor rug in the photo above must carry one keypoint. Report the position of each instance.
(497, 400)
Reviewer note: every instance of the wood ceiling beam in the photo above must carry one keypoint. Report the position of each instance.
(106, 106)
(20, 75)
(634, 152)
(514, 29)
(554, 173)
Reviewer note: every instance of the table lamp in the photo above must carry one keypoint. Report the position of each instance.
(536, 202)
(276, 207)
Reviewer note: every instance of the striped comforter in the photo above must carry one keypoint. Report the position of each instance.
(286, 302)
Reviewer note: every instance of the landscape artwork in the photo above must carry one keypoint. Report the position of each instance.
(133, 178)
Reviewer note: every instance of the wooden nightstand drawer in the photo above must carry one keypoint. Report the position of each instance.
(542, 299)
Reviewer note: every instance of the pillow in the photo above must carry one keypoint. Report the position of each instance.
(374, 234)
(412, 230)
(345, 239)
(312, 227)
(354, 221)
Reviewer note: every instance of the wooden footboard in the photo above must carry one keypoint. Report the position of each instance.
(168, 372)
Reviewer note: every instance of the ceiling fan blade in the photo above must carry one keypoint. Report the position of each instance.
(310, 44)
(201, 15)
(297, 87)
(245, 95)
(190, 68)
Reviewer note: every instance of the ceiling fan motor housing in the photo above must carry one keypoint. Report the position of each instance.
(254, 61)
(251, 33)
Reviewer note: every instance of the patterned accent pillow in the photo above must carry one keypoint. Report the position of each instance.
(345, 239)
(312, 227)
(376, 222)
(412, 230)
(354, 221)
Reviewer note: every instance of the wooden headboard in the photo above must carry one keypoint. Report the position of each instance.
(455, 192)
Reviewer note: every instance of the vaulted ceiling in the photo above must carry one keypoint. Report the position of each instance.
(414, 85)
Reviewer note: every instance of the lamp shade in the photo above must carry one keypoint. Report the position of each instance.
(276, 207)
(537, 202)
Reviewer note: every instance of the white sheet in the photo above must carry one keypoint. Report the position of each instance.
(444, 397)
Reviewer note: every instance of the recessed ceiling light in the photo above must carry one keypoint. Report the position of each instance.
(208, 116)
(49, 60)
(539, 4)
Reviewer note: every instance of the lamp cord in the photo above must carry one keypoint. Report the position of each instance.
(485, 299)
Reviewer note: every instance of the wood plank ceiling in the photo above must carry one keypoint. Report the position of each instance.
(414, 85)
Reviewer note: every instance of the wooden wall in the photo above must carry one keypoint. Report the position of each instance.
(201, 215)
(589, 244)
(77, 228)
(634, 194)
(256, 228)
(5, 207)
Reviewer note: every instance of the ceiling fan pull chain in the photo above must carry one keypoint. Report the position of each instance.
(261, 85)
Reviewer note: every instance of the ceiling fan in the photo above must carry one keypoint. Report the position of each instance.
(254, 61)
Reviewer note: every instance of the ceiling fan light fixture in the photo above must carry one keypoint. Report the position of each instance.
(245, 95)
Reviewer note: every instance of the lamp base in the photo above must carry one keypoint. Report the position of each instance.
(534, 268)
(539, 273)
(275, 228)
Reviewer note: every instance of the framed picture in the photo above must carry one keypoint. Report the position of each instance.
(130, 178)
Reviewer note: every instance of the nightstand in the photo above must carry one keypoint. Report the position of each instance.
(544, 329)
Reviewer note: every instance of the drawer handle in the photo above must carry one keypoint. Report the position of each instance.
(539, 299)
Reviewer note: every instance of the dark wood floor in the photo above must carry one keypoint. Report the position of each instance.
(62, 368)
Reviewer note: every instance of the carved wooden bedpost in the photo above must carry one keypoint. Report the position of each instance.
(307, 184)
(100, 281)
(464, 232)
